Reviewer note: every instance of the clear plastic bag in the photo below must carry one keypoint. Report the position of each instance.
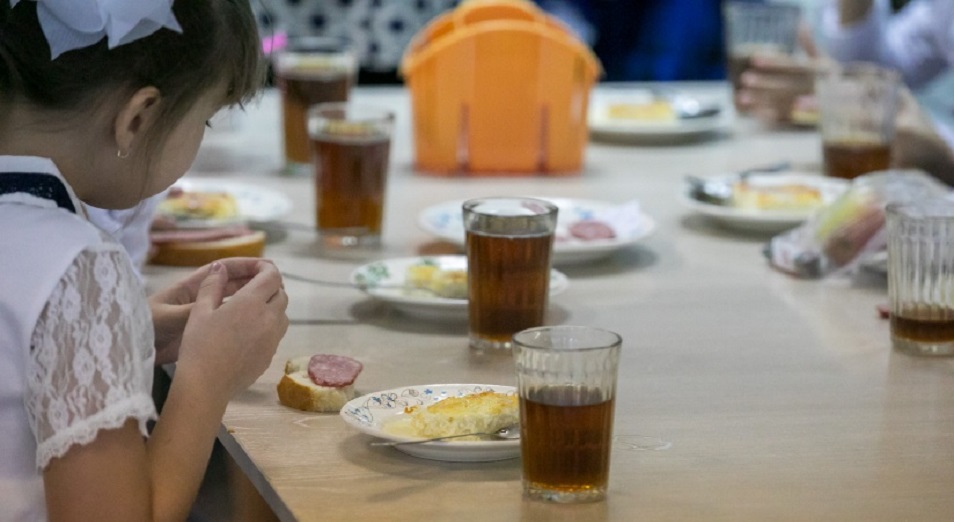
(842, 236)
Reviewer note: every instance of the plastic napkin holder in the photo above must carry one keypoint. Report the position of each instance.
(499, 88)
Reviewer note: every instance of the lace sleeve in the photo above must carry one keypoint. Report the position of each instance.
(92, 354)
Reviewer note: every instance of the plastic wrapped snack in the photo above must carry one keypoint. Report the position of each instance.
(841, 236)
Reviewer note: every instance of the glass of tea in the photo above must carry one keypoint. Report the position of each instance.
(509, 241)
(756, 28)
(566, 381)
(309, 71)
(350, 146)
(921, 276)
(858, 104)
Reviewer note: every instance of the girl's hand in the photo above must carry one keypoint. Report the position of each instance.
(226, 345)
(171, 306)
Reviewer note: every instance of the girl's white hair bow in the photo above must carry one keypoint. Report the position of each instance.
(74, 24)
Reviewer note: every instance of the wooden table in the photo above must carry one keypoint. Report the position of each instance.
(743, 394)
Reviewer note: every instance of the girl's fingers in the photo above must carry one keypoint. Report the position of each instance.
(265, 284)
(212, 288)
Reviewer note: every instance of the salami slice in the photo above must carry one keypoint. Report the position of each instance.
(187, 235)
(591, 229)
(333, 370)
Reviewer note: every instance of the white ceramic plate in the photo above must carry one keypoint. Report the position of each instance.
(446, 220)
(603, 125)
(371, 412)
(766, 220)
(255, 203)
(385, 281)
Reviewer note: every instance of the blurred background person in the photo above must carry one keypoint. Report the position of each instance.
(649, 40)
(913, 39)
(917, 42)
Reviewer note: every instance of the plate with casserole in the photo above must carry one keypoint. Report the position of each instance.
(206, 202)
(652, 115)
(765, 202)
(434, 410)
(429, 287)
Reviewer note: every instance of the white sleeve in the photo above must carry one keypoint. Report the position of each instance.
(910, 41)
(92, 353)
(130, 227)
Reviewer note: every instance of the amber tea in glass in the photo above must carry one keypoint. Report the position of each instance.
(857, 108)
(921, 276)
(849, 158)
(308, 72)
(509, 242)
(566, 381)
(350, 150)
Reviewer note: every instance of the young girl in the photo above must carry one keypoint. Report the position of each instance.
(105, 103)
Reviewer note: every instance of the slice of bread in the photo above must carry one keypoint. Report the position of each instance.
(198, 253)
(297, 390)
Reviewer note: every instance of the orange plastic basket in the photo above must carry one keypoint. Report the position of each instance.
(498, 87)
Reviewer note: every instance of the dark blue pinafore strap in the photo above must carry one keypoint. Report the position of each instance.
(46, 186)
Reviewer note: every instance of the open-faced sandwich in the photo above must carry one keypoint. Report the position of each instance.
(319, 383)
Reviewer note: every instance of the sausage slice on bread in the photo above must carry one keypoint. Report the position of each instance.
(299, 387)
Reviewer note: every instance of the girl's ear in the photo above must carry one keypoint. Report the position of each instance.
(135, 118)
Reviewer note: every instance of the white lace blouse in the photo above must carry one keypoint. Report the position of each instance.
(91, 354)
(76, 336)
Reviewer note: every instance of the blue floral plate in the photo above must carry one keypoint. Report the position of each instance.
(370, 413)
(385, 281)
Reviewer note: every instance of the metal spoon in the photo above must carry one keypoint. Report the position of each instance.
(689, 108)
(719, 192)
(709, 191)
(511, 432)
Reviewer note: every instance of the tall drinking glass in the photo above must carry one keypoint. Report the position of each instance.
(921, 276)
(350, 148)
(566, 381)
(309, 71)
(753, 28)
(858, 104)
(509, 241)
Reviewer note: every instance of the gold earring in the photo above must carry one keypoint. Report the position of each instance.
(122, 155)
